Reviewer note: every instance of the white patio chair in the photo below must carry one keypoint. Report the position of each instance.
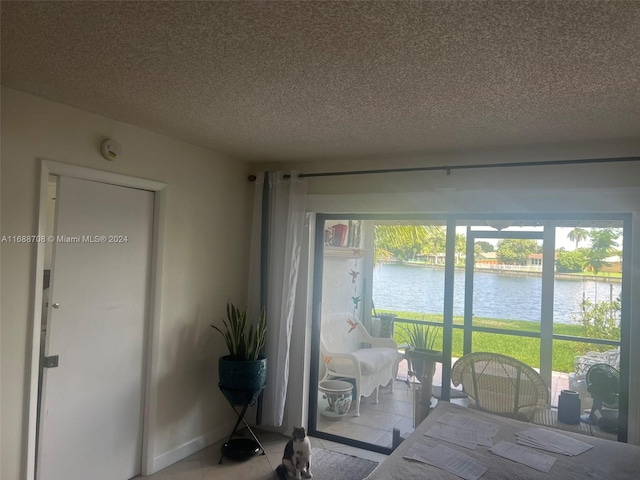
(348, 351)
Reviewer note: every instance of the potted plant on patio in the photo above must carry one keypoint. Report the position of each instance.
(422, 358)
(422, 340)
(242, 373)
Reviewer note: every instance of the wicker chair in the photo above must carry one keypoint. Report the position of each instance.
(348, 351)
(501, 385)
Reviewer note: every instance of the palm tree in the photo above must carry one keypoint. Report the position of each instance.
(402, 241)
(578, 235)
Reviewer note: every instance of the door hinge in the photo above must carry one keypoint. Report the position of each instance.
(50, 362)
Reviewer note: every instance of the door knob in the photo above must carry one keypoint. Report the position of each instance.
(56, 305)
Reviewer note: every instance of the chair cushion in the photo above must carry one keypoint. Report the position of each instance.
(375, 359)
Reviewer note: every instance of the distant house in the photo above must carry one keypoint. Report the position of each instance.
(612, 264)
(534, 260)
(432, 258)
(490, 259)
(487, 258)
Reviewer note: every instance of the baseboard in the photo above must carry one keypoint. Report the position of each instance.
(189, 448)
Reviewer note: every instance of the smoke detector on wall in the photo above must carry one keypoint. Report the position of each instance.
(110, 149)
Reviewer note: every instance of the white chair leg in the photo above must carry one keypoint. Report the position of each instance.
(396, 367)
(377, 391)
(358, 406)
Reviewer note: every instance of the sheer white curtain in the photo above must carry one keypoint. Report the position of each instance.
(276, 237)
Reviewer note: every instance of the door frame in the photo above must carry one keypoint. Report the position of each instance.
(150, 388)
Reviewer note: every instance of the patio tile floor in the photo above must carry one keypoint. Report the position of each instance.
(395, 410)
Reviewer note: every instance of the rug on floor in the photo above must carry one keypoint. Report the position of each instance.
(330, 465)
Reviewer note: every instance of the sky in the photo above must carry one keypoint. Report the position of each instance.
(562, 239)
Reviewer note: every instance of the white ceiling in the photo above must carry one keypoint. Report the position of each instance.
(311, 80)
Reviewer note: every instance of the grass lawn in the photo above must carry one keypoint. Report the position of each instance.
(525, 349)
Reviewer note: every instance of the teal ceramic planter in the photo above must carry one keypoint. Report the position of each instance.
(334, 398)
(242, 381)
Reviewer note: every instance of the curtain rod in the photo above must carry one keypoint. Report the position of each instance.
(448, 168)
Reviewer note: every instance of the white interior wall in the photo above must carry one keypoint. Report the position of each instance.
(337, 288)
(205, 263)
(613, 187)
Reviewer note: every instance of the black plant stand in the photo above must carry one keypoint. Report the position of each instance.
(241, 448)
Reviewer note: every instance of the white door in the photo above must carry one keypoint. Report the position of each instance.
(92, 403)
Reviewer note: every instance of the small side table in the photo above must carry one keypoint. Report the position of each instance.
(241, 448)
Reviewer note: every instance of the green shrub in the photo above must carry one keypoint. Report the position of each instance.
(600, 320)
(570, 262)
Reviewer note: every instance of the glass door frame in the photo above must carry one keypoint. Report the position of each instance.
(451, 221)
(546, 314)
(316, 312)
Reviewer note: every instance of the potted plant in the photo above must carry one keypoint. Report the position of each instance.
(242, 373)
(422, 358)
(422, 340)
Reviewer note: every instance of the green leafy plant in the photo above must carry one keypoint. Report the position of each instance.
(600, 320)
(571, 262)
(421, 336)
(243, 339)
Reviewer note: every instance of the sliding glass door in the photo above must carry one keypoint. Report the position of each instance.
(546, 290)
(373, 278)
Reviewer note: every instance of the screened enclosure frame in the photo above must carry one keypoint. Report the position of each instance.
(549, 222)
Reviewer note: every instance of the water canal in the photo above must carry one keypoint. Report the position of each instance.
(421, 289)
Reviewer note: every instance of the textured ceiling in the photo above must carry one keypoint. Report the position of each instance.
(308, 80)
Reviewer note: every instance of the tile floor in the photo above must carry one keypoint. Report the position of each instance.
(395, 410)
(203, 465)
(374, 425)
(377, 420)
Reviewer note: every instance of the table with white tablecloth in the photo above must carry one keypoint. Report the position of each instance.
(606, 460)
